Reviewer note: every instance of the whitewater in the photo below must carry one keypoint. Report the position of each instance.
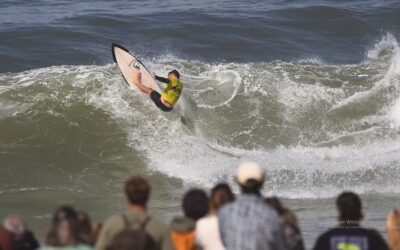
(316, 128)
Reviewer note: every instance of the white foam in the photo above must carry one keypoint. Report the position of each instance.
(390, 77)
(227, 84)
(312, 60)
(388, 42)
(394, 114)
(313, 170)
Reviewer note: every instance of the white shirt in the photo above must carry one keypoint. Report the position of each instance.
(207, 233)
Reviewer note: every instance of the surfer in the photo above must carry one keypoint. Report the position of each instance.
(169, 96)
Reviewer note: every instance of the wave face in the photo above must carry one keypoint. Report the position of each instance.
(316, 128)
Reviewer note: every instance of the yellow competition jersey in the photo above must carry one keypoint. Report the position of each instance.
(173, 91)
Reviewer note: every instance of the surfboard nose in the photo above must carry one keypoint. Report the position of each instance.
(114, 46)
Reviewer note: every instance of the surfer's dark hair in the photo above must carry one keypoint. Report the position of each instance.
(176, 73)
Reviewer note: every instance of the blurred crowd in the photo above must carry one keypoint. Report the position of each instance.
(216, 220)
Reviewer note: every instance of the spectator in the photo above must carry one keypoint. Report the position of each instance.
(86, 227)
(207, 230)
(6, 239)
(349, 234)
(291, 224)
(249, 223)
(276, 204)
(23, 239)
(64, 232)
(393, 229)
(137, 192)
(195, 206)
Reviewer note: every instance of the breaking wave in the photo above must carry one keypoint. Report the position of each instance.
(315, 128)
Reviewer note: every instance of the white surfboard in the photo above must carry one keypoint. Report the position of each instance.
(129, 65)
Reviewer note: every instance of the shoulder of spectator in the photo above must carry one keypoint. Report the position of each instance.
(319, 242)
(377, 236)
(200, 222)
(113, 220)
(324, 237)
(226, 208)
(374, 232)
(156, 223)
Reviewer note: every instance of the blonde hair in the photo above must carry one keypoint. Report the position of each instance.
(393, 229)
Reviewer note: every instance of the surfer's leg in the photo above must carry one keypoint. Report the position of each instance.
(156, 98)
(137, 80)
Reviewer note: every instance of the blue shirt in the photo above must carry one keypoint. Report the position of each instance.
(250, 224)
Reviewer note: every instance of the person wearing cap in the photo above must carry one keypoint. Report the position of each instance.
(249, 223)
(22, 237)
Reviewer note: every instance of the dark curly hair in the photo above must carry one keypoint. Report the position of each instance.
(195, 204)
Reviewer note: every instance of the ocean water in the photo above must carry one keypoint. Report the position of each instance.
(309, 89)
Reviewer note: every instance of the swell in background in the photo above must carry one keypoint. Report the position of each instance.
(46, 33)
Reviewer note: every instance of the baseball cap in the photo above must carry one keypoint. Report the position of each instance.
(14, 224)
(249, 170)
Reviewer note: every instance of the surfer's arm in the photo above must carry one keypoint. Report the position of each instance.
(162, 79)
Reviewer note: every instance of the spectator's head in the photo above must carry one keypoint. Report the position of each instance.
(174, 74)
(195, 204)
(131, 240)
(393, 229)
(250, 177)
(64, 230)
(276, 204)
(15, 224)
(286, 214)
(137, 191)
(220, 195)
(349, 207)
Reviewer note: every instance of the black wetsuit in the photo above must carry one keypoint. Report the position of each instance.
(156, 97)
